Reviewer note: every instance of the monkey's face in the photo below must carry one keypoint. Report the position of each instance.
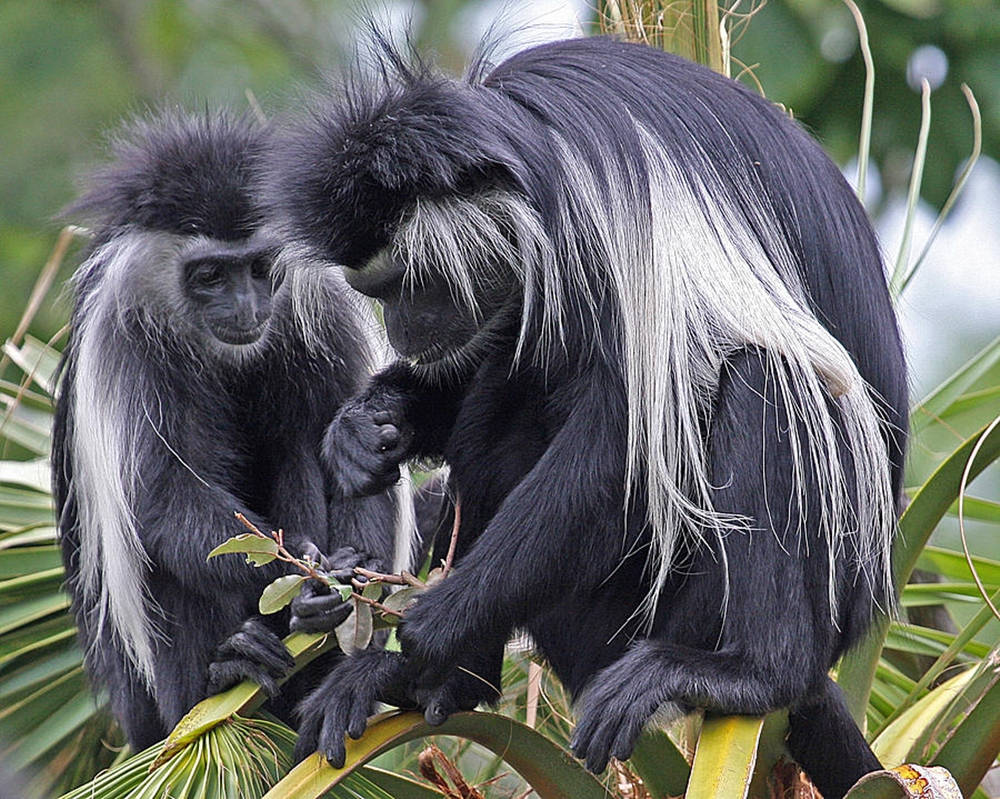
(230, 288)
(424, 319)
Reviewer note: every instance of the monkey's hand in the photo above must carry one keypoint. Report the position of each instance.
(252, 653)
(440, 629)
(317, 609)
(365, 444)
(346, 698)
(465, 687)
(620, 701)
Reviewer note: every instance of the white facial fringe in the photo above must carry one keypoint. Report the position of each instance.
(106, 429)
(692, 287)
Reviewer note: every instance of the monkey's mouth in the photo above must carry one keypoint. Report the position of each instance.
(240, 336)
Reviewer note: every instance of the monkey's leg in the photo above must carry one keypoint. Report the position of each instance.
(777, 636)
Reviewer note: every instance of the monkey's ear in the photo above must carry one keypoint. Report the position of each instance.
(341, 176)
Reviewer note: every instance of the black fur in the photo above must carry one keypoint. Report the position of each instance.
(234, 431)
(537, 444)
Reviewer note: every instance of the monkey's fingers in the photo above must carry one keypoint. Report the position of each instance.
(341, 705)
(342, 562)
(255, 642)
(225, 674)
(321, 614)
(363, 455)
(331, 743)
(448, 698)
(310, 715)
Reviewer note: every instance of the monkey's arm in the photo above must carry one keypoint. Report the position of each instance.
(183, 517)
(559, 530)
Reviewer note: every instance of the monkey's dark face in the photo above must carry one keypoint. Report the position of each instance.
(230, 286)
(423, 319)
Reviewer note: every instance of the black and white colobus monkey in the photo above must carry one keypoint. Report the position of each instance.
(201, 372)
(645, 321)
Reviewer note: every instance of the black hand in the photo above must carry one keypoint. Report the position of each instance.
(345, 700)
(364, 446)
(317, 609)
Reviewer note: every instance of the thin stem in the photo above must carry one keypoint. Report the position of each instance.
(977, 149)
(453, 544)
(916, 179)
(864, 144)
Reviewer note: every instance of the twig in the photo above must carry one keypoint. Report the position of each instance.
(403, 578)
(453, 544)
(961, 516)
(283, 554)
(376, 605)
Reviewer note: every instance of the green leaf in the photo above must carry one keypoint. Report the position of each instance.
(258, 549)
(896, 741)
(23, 613)
(929, 409)
(548, 769)
(972, 748)
(372, 591)
(71, 715)
(661, 765)
(355, 633)
(725, 757)
(952, 564)
(982, 510)
(28, 560)
(345, 591)
(35, 358)
(243, 698)
(928, 506)
(237, 758)
(33, 474)
(399, 787)
(923, 594)
(402, 599)
(280, 593)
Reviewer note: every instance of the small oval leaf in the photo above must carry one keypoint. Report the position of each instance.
(356, 631)
(345, 591)
(258, 549)
(279, 593)
(402, 599)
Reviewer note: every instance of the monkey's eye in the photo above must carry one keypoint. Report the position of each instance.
(209, 276)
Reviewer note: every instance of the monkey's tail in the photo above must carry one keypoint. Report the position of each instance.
(824, 739)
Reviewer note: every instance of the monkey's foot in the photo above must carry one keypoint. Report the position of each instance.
(251, 653)
(620, 702)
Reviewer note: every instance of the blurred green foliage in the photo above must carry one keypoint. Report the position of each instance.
(70, 70)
